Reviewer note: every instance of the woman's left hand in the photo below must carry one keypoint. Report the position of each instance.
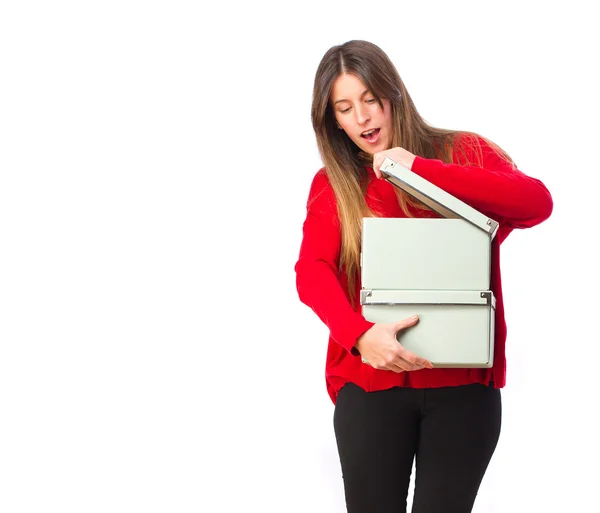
(403, 157)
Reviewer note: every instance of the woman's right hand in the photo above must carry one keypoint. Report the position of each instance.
(379, 348)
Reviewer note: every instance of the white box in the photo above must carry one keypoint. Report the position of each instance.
(436, 268)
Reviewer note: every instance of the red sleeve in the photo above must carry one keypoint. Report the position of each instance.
(495, 188)
(317, 273)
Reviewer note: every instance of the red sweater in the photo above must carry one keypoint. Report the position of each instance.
(496, 189)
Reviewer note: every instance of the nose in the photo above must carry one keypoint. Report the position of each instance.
(362, 115)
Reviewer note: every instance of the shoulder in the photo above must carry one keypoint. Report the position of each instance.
(473, 148)
(320, 179)
(321, 195)
(470, 143)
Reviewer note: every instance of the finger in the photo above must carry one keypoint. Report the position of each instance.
(407, 365)
(406, 323)
(393, 367)
(376, 165)
(414, 359)
(398, 365)
(396, 368)
(379, 158)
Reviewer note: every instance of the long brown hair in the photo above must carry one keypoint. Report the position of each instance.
(345, 163)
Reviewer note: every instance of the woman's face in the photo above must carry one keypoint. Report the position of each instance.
(360, 116)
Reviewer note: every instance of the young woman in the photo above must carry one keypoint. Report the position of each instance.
(392, 406)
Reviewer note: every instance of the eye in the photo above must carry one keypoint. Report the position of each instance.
(343, 111)
(372, 100)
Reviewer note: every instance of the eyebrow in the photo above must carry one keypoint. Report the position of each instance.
(344, 99)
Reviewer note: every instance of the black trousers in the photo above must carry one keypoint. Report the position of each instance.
(452, 432)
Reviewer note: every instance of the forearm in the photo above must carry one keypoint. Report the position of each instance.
(319, 288)
(499, 190)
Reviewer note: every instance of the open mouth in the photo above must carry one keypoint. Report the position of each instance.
(371, 135)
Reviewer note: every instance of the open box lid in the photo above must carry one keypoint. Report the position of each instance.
(436, 198)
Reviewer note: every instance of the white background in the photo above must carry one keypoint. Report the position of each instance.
(155, 160)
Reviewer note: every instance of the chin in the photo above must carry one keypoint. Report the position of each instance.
(371, 150)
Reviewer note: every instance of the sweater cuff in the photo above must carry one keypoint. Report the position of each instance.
(426, 168)
(348, 334)
(422, 167)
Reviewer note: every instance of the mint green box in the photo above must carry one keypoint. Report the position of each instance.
(436, 268)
